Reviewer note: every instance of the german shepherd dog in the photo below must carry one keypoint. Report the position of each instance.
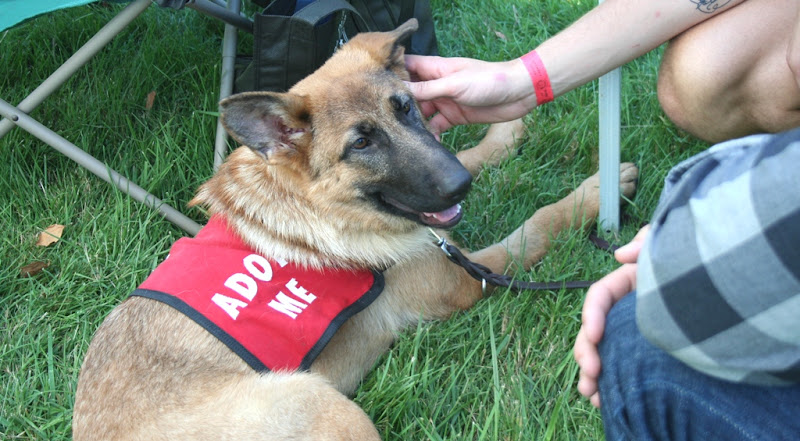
(338, 177)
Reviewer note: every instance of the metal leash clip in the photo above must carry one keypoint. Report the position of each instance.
(441, 242)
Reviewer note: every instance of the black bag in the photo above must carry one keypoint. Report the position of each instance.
(289, 45)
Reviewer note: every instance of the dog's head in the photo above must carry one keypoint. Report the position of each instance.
(352, 133)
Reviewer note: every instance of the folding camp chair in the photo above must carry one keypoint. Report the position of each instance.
(15, 11)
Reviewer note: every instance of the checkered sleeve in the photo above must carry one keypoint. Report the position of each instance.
(718, 281)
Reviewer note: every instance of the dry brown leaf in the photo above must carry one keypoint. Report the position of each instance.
(151, 99)
(501, 35)
(50, 235)
(33, 269)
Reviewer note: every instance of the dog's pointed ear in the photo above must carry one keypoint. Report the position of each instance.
(387, 47)
(270, 123)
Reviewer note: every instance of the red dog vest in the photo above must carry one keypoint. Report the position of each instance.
(273, 314)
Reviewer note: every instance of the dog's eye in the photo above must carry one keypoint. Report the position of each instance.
(406, 107)
(360, 143)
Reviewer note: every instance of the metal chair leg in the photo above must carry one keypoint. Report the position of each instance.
(90, 163)
(78, 59)
(226, 83)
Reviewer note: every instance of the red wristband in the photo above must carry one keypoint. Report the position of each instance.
(541, 82)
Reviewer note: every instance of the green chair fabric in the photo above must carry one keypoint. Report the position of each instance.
(13, 12)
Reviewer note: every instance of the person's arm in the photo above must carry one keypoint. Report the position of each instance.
(718, 279)
(465, 90)
(616, 32)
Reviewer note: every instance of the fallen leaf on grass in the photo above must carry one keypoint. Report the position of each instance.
(50, 235)
(501, 35)
(33, 269)
(151, 99)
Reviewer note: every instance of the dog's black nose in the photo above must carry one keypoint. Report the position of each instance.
(455, 184)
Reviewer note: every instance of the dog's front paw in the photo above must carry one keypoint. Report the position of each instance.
(628, 178)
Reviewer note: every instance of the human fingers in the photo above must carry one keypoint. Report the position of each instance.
(428, 108)
(629, 252)
(601, 296)
(439, 124)
(415, 64)
(595, 399)
(589, 388)
(585, 353)
(450, 113)
(588, 359)
(432, 89)
(431, 67)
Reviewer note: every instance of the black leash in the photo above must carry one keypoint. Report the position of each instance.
(486, 276)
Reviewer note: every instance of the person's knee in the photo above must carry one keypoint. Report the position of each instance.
(719, 112)
(793, 60)
(673, 101)
(694, 97)
(717, 93)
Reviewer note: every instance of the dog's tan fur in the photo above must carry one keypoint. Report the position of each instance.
(153, 374)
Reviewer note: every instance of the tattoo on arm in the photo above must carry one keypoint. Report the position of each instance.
(710, 6)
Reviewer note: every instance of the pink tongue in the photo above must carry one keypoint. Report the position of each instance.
(446, 215)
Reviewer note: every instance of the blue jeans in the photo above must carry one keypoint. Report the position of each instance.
(648, 395)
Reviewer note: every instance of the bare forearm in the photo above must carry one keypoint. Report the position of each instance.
(464, 90)
(618, 31)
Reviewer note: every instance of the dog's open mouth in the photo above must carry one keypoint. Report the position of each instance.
(442, 219)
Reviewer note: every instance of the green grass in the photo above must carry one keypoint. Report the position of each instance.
(501, 371)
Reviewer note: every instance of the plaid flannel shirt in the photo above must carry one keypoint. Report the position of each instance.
(718, 279)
